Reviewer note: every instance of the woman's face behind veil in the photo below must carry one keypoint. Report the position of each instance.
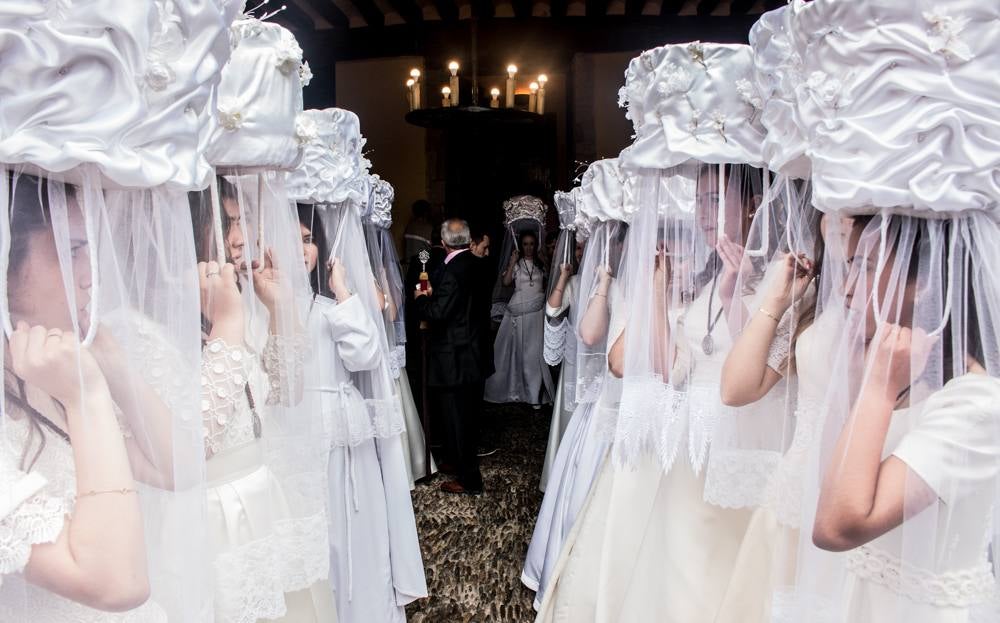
(879, 286)
(37, 283)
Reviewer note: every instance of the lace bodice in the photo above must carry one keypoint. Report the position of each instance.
(227, 372)
(40, 518)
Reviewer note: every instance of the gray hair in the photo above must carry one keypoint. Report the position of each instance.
(455, 233)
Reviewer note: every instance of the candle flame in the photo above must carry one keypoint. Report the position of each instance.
(445, 90)
(495, 92)
(453, 66)
(534, 87)
(411, 82)
(511, 70)
(415, 73)
(542, 79)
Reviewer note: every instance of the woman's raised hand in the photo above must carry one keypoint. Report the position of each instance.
(337, 280)
(736, 266)
(270, 284)
(896, 356)
(565, 272)
(221, 302)
(54, 361)
(795, 272)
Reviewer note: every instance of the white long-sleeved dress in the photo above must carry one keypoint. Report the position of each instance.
(375, 562)
(560, 347)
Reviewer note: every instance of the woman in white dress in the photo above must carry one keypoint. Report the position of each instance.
(658, 537)
(898, 511)
(385, 265)
(375, 561)
(584, 447)
(268, 550)
(98, 409)
(560, 324)
(521, 372)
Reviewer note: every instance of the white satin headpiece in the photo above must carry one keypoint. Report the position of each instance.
(693, 101)
(777, 74)
(566, 209)
(900, 104)
(260, 98)
(333, 168)
(381, 197)
(524, 207)
(126, 87)
(602, 192)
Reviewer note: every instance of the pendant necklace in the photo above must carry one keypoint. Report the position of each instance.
(530, 269)
(707, 343)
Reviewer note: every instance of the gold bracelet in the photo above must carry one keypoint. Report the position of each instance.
(770, 315)
(93, 492)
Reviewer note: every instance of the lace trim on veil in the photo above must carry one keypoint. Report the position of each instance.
(252, 579)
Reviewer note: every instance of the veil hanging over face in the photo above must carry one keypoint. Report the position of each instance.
(114, 274)
(907, 420)
(386, 267)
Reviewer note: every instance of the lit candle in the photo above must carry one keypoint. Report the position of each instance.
(446, 96)
(409, 92)
(494, 98)
(533, 98)
(511, 72)
(415, 74)
(540, 104)
(453, 82)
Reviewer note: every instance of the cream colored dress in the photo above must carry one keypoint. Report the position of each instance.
(767, 556)
(647, 546)
(951, 442)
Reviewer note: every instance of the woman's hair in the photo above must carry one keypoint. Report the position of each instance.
(29, 200)
(203, 215)
(961, 270)
(310, 219)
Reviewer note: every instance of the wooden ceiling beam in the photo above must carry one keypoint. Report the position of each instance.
(328, 11)
(372, 15)
(706, 7)
(671, 7)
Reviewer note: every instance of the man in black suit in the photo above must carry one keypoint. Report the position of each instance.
(454, 359)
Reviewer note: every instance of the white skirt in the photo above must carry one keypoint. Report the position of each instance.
(267, 563)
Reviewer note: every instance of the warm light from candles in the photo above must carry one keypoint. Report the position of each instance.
(495, 92)
(410, 83)
(446, 96)
(534, 87)
(533, 98)
(409, 93)
(511, 70)
(415, 73)
(453, 68)
(540, 103)
(542, 79)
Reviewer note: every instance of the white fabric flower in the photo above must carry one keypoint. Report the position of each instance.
(306, 130)
(697, 52)
(230, 117)
(623, 97)
(943, 34)
(719, 121)
(748, 94)
(647, 60)
(159, 76)
(676, 80)
(825, 87)
(305, 74)
(288, 55)
(695, 122)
